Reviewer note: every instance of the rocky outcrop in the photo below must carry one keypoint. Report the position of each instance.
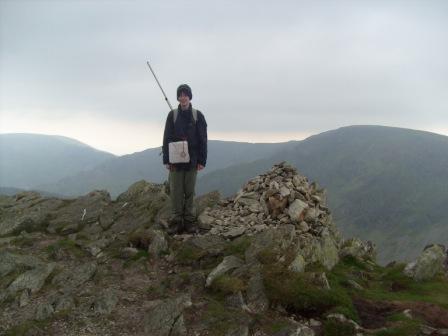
(358, 249)
(10, 262)
(78, 213)
(165, 317)
(268, 261)
(32, 280)
(432, 261)
(26, 211)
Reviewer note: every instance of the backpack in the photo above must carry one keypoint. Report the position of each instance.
(193, 111)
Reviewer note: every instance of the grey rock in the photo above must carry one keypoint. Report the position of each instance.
(6, 240)
(303, 227)
(205, 221)
(158, 244)
(251, 195)
(208, 200)
(63, 303)
(298, 264)
(234, 233)
(408, 313)
(91, 229)
(427, 330)
(27, 211)
(228, 263)
(304, 331)
(342, 319)
(179, 327)
(128, 252)
(72, 278)
(252, 204)
(428, 264)
(323, 250)
(296, 210)
(354, 284)
(314, 323)
(106, 302)
(280, 238)
(257, 300)
(44, 311)
(32, 280)
(242, 330)
(317, 199)
(213, 244)
(260, 227)
(164, 317)
(24, 299)
(312, 215)
(358, 249)
(236, 301)
(10, 262)
(79, 212)
(298, 330)
(95, 247)
(330, 252)
(284, 191)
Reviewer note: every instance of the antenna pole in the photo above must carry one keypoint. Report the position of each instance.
(160, 86)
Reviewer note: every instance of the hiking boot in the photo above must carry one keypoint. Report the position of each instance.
(190, 226)
(175, 226)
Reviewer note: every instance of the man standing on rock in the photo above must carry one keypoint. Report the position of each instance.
(184, 154)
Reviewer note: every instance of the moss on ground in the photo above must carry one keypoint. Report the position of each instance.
(387, 283)
(337, 328)
(27, 328)
(63, 246)
(408, 328)
(227, 285)
(221, 319)
(238, 246)
(392, 284)
(141, 255)
(298, 295)
(188, 254)
(24, 241)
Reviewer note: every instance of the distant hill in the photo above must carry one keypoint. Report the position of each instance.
(386, 184)
(6, 191)
(117, 174)
(29, 160)
(9, 191)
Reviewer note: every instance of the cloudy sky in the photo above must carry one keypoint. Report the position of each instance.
(261, 71)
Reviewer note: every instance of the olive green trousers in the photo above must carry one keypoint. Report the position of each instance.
(182, 185)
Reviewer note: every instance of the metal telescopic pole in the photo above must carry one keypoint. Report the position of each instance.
(160, 86)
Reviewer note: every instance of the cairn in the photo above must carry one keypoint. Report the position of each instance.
(277, 197)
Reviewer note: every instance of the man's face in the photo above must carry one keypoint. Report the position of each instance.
(184, 100)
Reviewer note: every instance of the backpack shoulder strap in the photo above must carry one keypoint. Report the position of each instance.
(193, 111)
(175, 113)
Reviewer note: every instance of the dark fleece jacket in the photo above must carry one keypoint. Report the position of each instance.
(186, 129)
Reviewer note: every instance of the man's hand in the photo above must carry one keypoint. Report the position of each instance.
(200, 167)
(168, 166)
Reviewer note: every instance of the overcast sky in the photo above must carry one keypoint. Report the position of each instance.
(260, 71)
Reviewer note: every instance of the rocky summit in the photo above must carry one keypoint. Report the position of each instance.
(267, 261)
